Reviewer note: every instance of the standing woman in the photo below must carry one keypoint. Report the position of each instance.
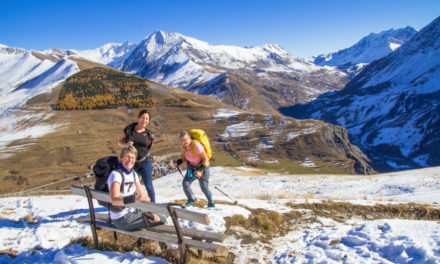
(137, 135)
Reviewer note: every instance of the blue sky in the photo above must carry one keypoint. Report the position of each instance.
(302, 27)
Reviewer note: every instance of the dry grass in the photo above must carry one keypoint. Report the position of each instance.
(341, 211)
(10, 252)
(261, 225)
(8, 211)
(30, 219)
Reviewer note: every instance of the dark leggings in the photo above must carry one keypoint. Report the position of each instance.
(145, 170)
(203, 181)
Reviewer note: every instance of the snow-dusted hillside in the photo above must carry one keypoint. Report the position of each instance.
(322, 240)
(391, 109)
(23, 75)
(368, 49)
(17, 66)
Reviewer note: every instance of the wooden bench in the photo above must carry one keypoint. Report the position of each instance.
(170, 234)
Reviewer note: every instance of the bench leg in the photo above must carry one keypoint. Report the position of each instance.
(92, 215)
(181, 244)
(115, 235)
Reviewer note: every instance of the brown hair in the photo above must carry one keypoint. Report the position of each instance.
(144, 111)
(128, 149)
(183, 134)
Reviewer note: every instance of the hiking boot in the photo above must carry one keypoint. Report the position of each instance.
(190, 203)
(211, 205)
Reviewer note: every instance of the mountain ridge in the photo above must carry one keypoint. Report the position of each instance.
(366, 50)
(389, 108)
(176, 60)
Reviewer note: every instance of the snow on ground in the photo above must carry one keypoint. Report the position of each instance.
(224, 112)
(15, 126)
(356, 241)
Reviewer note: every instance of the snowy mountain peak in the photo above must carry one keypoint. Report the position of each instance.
(388, 37)
(274, 48)
(11, 50)
(416, 58)
(201, 67)
(161, 37)
(428, 39)
(368, 49)
(59, 53)
(111, 54)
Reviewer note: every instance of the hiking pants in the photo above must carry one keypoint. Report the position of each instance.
(134, 220)
(187, 181)
(145, 170)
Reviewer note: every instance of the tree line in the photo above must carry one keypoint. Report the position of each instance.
(101, 88)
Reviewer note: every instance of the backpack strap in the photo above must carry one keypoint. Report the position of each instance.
(128, 131)
(193, 150)
(113, 207)
(123, 179)
(151, 137)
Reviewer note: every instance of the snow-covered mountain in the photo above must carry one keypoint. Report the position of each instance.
(111, 54)
(34, 73)
(252, 77)
(24, 74)
(368, 49)
(391, 109)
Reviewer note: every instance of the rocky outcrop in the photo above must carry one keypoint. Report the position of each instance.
(336, 138)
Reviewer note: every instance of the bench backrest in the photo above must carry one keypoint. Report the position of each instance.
(146, 207)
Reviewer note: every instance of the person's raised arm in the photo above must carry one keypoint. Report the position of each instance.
(122, 139)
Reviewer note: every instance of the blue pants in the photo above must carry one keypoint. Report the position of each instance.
(203, 181)
(145, 170)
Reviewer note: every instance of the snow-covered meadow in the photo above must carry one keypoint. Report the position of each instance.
(360, 241)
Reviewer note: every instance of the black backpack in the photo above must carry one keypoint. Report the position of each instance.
(102, 169)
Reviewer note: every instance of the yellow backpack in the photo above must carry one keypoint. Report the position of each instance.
(200, 136)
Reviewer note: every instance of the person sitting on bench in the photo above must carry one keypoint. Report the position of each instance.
(122, 217)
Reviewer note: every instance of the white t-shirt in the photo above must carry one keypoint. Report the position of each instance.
(129, 188)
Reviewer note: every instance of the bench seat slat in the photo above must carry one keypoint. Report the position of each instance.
(166, 238)
(189, 232)
(148, 207)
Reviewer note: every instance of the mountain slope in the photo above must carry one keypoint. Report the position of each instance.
(78, 138)
(223, 71)
(368, 49)
(391, 108)
(24, 74)
(111, 54)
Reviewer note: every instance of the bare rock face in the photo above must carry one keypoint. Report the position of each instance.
(336, 138)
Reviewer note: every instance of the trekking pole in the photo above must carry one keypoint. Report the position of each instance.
(235, 201)
(180, 171)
